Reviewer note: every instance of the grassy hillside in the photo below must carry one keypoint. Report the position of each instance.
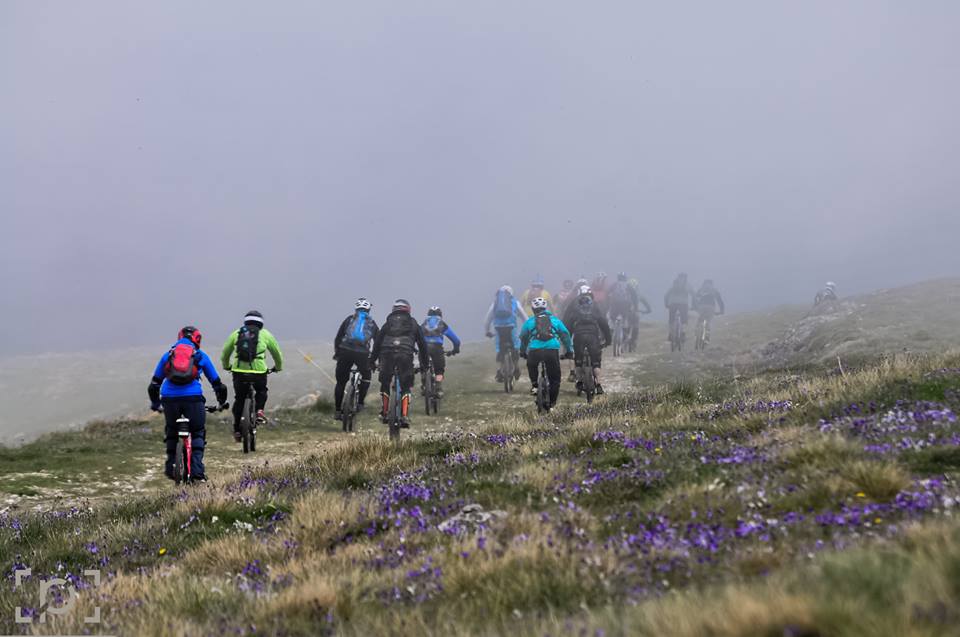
(779, 504)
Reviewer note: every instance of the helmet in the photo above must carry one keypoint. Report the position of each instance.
(601, 276)
(831, 285)
(253, 316)
(191, 333)
(585, 290)
(435, 311)
(401, 305)
(621, 276)
(537, 283)
(538, 303)
(362, 304)
(582, 282)
(568, 284)
(507, 289)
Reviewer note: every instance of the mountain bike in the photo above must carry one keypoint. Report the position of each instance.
(618, 335)
(183, 455)
(508, 367)
(703, 333)
(543, 389)
(395, 411)
(588, 382)
(676, 333)
(351, 397)
(248, 418)
(431, 396)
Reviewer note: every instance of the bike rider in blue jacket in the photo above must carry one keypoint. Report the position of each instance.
(351, 347)
(435, 329)
(540, 341)
(503, 315)
(175, 387)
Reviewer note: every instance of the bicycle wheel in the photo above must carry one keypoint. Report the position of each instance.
(246, 425)
(506, 370)
(589, 382)
(543, 395)
(394, 418)
(348, 406)
(427, 390)
(180, 463)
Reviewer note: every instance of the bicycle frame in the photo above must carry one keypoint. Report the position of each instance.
(507, 363)
(351, 396)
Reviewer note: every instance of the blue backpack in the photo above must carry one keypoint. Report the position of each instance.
(359, 331)
(503, 306)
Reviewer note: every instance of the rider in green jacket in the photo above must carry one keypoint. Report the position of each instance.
(250, 343)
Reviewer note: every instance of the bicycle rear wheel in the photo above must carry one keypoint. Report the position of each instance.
(349, 407)
(246, 425)
(394, 418)
(543, 391)
(589, 382)
(428, 391)
(180, 462)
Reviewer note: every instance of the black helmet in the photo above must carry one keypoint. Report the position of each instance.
(401, 305)
(253, 316)
(192, 333)
(434, 311)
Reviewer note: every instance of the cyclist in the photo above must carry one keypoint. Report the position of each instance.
(351, 348)
(434, 330)
(677, 299)
(394, 346)
(708, 303)
(502, 316)
(540, 341)
(599, 288)
(176, 390)
(625, 302)
(828, 293)
(591, 332)
(634, 286)
(251, 344)
(565, 296)
(536, 291)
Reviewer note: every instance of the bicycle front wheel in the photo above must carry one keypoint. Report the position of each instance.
(180, 463)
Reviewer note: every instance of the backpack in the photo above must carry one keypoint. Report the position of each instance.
(585, 315)
(359, 331)
(434, 327)
(183, 364)
(544, 327)
(400, 332)
(705, 298)
(248, 338)
(619, 294)
(503, 306)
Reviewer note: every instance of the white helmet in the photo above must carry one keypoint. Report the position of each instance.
(585, 290)
(831, 284)
(362, 304)
(507, 289)
(539, 303)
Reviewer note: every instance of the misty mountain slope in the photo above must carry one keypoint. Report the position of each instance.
(920, 317)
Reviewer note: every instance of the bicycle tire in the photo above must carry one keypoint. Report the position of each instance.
(346, 412)
(427, 390)
(589, 382)
(542, 390)
(246, 424)
(394, 419)
(180, 471)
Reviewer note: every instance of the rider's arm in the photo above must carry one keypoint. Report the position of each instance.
(489, 320)
(720, 303)
(377, 341)
(520, 312)
(643, 301)
(604, 328)
(340, 333)
(666, 300)
(449, 333)
(563, 333)
(274, 348)
(206, 365)
(153, 389)
(524, 336)
(227, 351)
(421, 344)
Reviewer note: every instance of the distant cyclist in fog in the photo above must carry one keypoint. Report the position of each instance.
(828, 293)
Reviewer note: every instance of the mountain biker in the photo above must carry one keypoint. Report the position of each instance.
(708, 303)
(677, 299)
(540, 341)
(625, 302)
(434, 330)
(591, 332)
(599, 289)
(502, 316)
(634, 286)
(251, 344)
(351, 348)
(565, 296)
(394, 346)
(828, 293)
(536, 291)
(176, 390)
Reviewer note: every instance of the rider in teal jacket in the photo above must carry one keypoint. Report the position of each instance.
(544, 350)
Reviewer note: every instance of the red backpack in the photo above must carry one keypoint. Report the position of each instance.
(183, 364)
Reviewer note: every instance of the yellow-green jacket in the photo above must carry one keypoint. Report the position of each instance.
(265, 342)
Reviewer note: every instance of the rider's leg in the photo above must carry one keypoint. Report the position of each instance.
(405, 364)
(596, 357)
(554, 373)
(673, 313)
(386, 377)
(344, 365)
(197, 414)
(579, 344)
(260, 394)
(362, 361)
(171, 411)
(239, 395)
(533, 359)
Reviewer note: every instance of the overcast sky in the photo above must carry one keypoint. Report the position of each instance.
(172, 162)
